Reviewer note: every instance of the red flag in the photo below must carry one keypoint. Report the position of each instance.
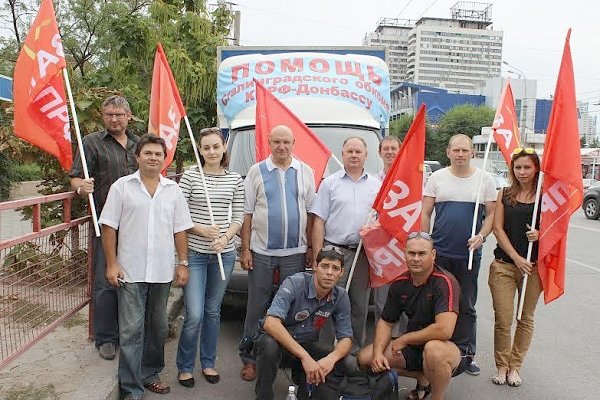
(271, 112)
(166, 107)
(505, 128)
(41, 114)
(399, 207)
(562, 190)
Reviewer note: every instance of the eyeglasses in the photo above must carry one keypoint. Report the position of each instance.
(115, 115)
(521, 150)
(335, 249)
(422, 235)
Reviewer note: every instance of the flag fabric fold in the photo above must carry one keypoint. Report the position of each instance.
(308, 147)
(398, 205)
(505, 128)
(41, 115)
(166, 107)
(562, 189)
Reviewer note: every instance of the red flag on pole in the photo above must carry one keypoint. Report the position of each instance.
(399, 207)
(562, 190)
(166, 107)
(41, 114)
(505, 128)
(271, 112)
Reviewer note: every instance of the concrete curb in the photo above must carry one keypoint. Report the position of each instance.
(174, 307)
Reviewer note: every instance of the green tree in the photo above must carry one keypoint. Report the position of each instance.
(467, 119)
(401, 126)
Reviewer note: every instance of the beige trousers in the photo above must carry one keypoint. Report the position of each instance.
(505, 282)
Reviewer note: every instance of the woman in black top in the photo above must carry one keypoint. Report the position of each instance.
(512, 219)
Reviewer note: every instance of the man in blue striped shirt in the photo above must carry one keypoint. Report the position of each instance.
(278, 193)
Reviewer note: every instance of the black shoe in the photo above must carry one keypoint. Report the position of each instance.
(211, 378)
(188, 383)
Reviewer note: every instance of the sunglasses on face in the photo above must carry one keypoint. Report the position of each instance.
(422, 235)
(335, 249)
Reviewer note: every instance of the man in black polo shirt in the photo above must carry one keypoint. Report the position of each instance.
(110, 154)
(435, 346)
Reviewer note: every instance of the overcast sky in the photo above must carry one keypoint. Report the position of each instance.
(534, 31)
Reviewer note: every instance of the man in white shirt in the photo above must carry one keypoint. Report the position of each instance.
(341, 207)
(143, 211)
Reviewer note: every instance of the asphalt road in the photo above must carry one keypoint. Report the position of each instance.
(562, 362)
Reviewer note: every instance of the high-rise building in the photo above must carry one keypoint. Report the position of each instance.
(456, 54)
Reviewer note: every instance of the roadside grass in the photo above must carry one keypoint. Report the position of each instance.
(31, 392)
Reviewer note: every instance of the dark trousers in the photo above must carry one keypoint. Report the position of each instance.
(106, 314)
(270, 356)
(468, 295)
(261, 289)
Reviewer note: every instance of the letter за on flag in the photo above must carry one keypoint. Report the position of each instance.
(562, 189)
(166, 107)
(308, 147)
(41, 115)
(398, 205)
(505, 128)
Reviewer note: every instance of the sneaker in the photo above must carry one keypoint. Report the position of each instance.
(473, 369)
(108, 351)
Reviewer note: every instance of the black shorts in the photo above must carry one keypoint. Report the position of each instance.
(413, 357)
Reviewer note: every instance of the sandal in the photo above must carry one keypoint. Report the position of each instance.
(500, 377)
(158, 387)
(513, 379)
(414, 394)
(248, 372)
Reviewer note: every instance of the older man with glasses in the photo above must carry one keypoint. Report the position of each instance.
(110, 155)
(290, 330)
(435, 346)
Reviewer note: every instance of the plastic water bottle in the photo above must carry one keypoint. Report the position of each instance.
(291, 393)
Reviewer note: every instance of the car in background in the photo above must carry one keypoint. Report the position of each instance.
(434, 165)
(591, 202)
(500, 181)
(587, 182)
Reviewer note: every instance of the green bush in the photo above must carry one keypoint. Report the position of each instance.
(27, 172)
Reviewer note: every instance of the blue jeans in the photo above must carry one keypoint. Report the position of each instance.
(106, 323)
(203, 296)
(143, 331)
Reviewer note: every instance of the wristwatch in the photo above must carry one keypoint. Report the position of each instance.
(185, 263)
(482, 237)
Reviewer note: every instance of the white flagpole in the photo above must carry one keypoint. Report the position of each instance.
(530, 245)
(210, 211)
(86, 174)
(358, 248)
(476, 211)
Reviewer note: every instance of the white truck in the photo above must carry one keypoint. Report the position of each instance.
(337, 91)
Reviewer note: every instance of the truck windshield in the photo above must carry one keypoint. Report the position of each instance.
(240, 147)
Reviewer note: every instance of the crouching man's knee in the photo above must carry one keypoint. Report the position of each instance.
(440, 357)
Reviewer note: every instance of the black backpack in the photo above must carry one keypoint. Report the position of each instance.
(358, 386)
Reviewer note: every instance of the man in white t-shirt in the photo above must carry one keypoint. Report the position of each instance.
(149, 216)
(452, 191)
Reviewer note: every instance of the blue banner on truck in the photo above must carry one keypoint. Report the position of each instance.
(360, 80)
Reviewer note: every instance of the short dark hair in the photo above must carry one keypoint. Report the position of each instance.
(331, 253)
(213, 131)
(390, 138)
(150, 138)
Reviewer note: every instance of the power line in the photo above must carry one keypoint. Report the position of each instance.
(427, 9)
(401, 11)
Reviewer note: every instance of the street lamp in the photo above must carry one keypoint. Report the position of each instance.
(523, 102)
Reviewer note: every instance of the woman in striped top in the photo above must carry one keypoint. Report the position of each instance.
(204, 292)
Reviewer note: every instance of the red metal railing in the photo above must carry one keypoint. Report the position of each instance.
(45, 276)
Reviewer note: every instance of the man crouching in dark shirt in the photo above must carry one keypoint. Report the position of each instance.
(435, 346)
(290, 329)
